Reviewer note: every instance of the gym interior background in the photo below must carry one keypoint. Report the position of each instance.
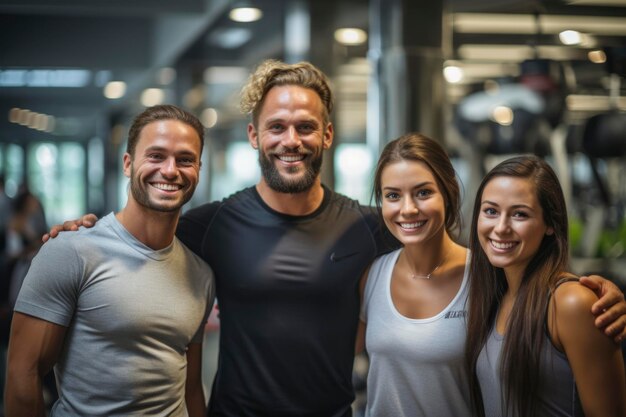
(489, 79)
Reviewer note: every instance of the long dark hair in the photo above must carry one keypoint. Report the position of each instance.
(525, 329)
(421, 148)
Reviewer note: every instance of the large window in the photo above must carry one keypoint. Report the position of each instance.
(56, 174)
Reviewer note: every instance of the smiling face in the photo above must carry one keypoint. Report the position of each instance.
(164, 171)
(291, 137)
(510, 225)
(413, 206)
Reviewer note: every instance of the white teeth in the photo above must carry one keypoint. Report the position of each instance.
(499, 245)
(290, 158)
(166, 187)
(412, 225)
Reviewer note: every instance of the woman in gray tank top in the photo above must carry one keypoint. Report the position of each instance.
(532, 346)
(413, 309)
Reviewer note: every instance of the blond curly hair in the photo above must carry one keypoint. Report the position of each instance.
(272, 73)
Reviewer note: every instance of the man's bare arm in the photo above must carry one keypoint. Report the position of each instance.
(34, 347)
(194, 392)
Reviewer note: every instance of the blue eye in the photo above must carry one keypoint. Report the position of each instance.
(392, 196)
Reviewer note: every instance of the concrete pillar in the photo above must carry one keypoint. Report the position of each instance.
(408, 43)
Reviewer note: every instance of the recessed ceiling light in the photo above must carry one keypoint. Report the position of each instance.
(209, 117)
(570, 37)
(152, 97)
(115, 89)
(245, 14)
(597, 57)
(350, 36)
(453, 74)
(502, 115)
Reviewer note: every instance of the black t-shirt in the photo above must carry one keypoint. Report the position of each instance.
(287, 288)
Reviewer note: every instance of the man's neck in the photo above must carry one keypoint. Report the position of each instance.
(296, 204)
(152, 228)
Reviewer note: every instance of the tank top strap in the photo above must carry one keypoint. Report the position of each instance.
(568, 278)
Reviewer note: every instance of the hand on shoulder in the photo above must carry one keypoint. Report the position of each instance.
(88, 220)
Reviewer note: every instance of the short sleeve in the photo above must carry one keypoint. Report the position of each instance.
(193, 225)
(51, 286)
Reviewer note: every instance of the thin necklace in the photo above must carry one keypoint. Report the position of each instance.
(427, 276)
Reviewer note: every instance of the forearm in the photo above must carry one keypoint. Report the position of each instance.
(24, 395)
(194, 393)
(194, 398)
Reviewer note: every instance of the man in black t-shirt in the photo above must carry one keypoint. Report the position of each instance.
(287, 256)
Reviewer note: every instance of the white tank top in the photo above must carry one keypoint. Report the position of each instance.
(416, 365)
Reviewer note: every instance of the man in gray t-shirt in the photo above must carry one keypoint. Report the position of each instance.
(119, 309)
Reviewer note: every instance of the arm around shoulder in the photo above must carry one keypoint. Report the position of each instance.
(34, 347)
(596, 361)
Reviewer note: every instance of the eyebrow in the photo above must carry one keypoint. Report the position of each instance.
(156, 148)
(311, 120)
(516, 206)
(420, 185)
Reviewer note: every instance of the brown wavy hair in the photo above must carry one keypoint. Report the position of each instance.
(525, 333)
(272, 73)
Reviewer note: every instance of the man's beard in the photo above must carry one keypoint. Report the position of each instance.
(278, 183)
(142, 197)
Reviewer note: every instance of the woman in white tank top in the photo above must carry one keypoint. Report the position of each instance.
(413, 310)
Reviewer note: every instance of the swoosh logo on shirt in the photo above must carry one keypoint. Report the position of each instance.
(338, 258)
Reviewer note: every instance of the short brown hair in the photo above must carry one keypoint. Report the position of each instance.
(162, 112)
(272, 73)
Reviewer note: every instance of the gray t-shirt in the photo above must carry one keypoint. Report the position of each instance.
(131, 312)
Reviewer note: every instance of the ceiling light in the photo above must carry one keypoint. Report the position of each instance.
(527, 23)
(597, 57)
(152, 97)
(51, 124)
(245, 14)
(502, 115)
(115, 89)
(22, 116)
(350, 36)
(453, 74)
(14, 115)
(225, 75)
(209, 117)
(570, 37)
(41, 122)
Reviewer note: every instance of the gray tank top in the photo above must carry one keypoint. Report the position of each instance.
(559, 396)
